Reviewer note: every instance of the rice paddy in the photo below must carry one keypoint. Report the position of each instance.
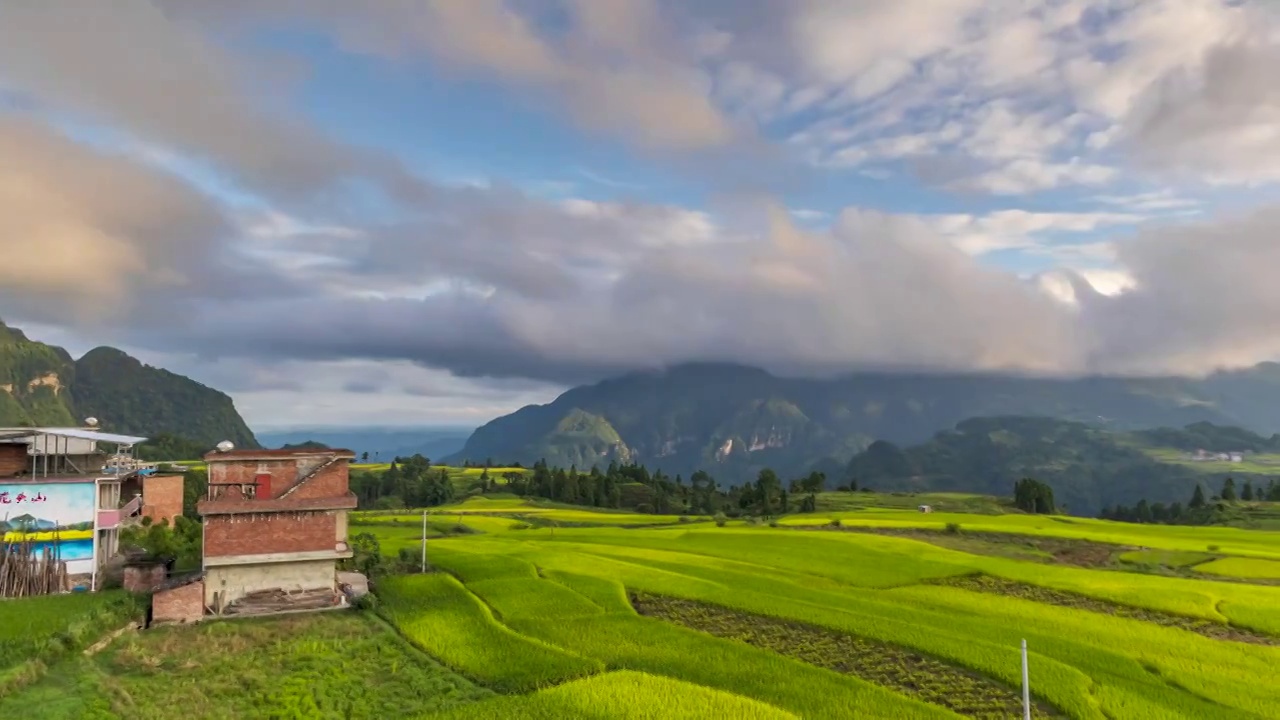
(544, 611)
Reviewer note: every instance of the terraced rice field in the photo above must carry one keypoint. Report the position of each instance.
(849, 624)
(689, 620)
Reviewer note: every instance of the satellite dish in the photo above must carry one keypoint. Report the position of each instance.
(91, 421)
(226, 446)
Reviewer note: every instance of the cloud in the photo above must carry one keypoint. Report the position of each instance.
(152, 73)
(460, 291)
(81, 228)
(1221, 120)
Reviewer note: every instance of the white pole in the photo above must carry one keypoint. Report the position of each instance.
(1026, 685)
(424, 541)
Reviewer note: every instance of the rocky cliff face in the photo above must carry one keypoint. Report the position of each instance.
(34, 381)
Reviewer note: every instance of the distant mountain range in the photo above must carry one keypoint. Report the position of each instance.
(1088, 467)
(733, 420)
(382, 444)
(42, 385)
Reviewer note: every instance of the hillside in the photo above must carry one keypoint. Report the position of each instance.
(42, 385)
(733, 420)
(1087, 467)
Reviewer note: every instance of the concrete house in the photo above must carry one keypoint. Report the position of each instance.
(78, 486)
(275, 527)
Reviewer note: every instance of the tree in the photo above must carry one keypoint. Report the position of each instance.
(1228, 490)
(1246, 493)
(364, 456)
(1197, 498)
(1033, 496)
(366, 554)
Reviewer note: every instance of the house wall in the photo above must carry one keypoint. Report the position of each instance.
(232, 582)
(162, 497)
(13, 459)
(284, 473)
(259, 533)
(333, 481)
(184, 603)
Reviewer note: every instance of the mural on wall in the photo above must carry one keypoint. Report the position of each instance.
(55, 515)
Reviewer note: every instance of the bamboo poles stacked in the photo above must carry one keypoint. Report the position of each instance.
(25, 571)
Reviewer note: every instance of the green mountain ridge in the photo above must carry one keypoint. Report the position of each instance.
(1088, 468)
(42, 385)
(733, 420)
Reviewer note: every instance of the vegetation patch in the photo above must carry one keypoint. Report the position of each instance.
(1036, 548)
(1164, 558)
(897, 668)
(347, 665)
(1026, 591)
(622, 695)
(38, 630)
(446, 620)
(1251, 568)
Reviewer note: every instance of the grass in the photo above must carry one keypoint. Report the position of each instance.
(35, 631)
(1167, 558)
(1227, 540)
(446, 620)
(622, 695)
(1242, 568)
(327, 665)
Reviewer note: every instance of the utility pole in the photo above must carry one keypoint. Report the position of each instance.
(1026, 685)
(424, 569)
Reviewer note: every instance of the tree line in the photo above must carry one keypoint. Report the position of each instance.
(414, 482)
(1198, 510)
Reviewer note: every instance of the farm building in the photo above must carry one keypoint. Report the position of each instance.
(925, 508)
(275, 526)
(64, 495)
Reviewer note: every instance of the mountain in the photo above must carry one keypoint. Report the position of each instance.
(1088, 468)
(381, 443)
(42, 385)
(34, 381)
(732, 420)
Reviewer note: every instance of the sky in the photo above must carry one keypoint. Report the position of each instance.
(433, 212)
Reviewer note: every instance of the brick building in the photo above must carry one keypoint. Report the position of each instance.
(275, 526)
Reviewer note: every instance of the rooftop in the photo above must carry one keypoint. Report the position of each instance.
(274, 454)
(29, 434)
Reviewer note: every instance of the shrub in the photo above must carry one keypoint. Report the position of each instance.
(720, 519)
(684, 518)
(773, 523)
(835, 522)
(953, 528)
(368, 602)
(1213, 548)
(521, 526)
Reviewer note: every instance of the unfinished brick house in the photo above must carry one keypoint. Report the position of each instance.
(275, 526)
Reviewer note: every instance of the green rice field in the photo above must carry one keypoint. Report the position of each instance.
(544, 611)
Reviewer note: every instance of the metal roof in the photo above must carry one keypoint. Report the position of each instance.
(83, 434)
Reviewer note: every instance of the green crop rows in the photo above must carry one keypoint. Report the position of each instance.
(534, 620)
(896, 668)
(988, 584)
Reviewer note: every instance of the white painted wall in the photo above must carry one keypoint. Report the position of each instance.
(236, 581)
